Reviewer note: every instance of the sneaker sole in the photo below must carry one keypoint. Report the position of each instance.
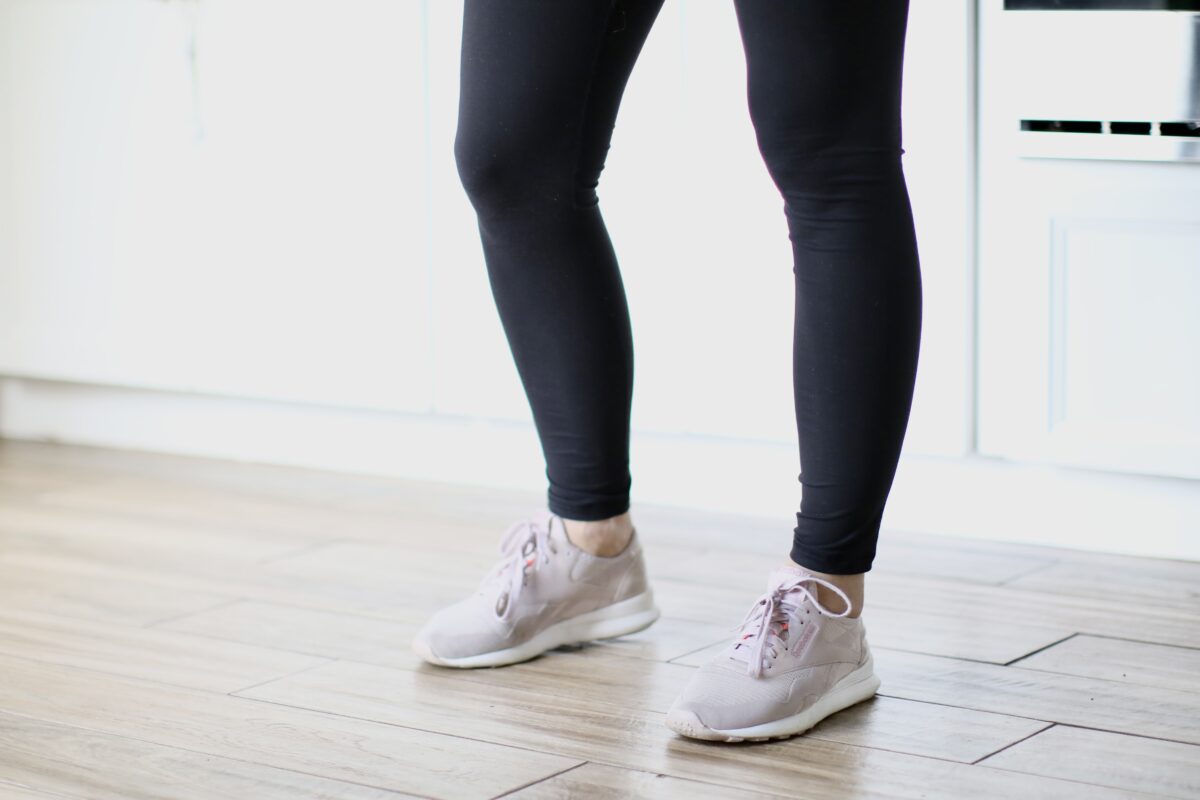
(619, 619)
(859, 685)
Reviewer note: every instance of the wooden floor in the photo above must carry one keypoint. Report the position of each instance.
(187, 628)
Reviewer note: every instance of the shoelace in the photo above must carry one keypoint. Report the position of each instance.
(525, 545)
(768, 615)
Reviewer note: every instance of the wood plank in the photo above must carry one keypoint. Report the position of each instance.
(565, 674)
(87, 464)
(279, 511)
(171, 504)
(76, 761)
(713, 609)
(925, 729)
(231, 564)
(955, 637)
(369, 506)
(992, 640)
(439, 579)
(723, 532)
(111, 598)
(150, 654)
(1016, 620)
(11, 791)
(602, 670)
(282, 500)
(1165, 666)
(439, 501)
(1154, 580)
(669, 638)
(602, 780)
(38, 524)
(902, 726)
(1071, 700)
(324, 745)
(619, 735)
(327, 576)
(394, 599)
(894, 557)
(1169, 769)
(446, 572)
(24, 482)
(977, 603)
(1098, 615)
(328, 634)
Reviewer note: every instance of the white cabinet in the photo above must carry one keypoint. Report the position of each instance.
(1089, 267)
(250, 224)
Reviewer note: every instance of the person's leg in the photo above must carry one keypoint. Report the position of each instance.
(824, 94)
(824, 89)
(541, 85)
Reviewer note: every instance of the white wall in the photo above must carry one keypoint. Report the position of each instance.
(263, 252)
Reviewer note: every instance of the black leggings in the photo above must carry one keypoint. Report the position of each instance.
(541, 84)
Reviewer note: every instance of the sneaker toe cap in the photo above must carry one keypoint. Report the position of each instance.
(725, 698)
(458, 631)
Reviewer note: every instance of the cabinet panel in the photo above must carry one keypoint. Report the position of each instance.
(223, 197)
(1125, 344)
(1089, 266)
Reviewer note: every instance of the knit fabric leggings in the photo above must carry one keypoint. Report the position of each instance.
(541, 84)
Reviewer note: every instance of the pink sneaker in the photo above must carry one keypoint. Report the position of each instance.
(793, 664)
(543, 593)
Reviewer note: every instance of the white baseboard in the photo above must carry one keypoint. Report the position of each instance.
(971, 497)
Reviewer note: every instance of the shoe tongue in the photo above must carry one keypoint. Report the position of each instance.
(777, 577)
(542, 517)
(796, 596)
(782, 575)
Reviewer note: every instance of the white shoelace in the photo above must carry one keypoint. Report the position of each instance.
(767, 616)
(525, 545)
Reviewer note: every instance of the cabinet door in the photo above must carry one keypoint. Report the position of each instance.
(1089, 267)
(226, 196)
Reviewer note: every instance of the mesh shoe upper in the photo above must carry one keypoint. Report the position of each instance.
(540, 579)
(789, 651)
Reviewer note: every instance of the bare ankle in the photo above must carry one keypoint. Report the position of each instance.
(603, 537)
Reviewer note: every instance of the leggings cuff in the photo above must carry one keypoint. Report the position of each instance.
(579, 507)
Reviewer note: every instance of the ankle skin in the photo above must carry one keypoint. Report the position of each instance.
(853, 585)
(606, 537)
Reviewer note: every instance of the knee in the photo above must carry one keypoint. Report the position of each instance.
(828, 167)
(500, 171)
(487, 168)
(815, 151)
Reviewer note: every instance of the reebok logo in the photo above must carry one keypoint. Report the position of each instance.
(807, 633)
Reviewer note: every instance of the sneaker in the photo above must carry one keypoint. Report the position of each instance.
(544, 593)
(793, 664)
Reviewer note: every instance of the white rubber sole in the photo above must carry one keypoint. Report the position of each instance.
(859, 685)
(620, 619)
